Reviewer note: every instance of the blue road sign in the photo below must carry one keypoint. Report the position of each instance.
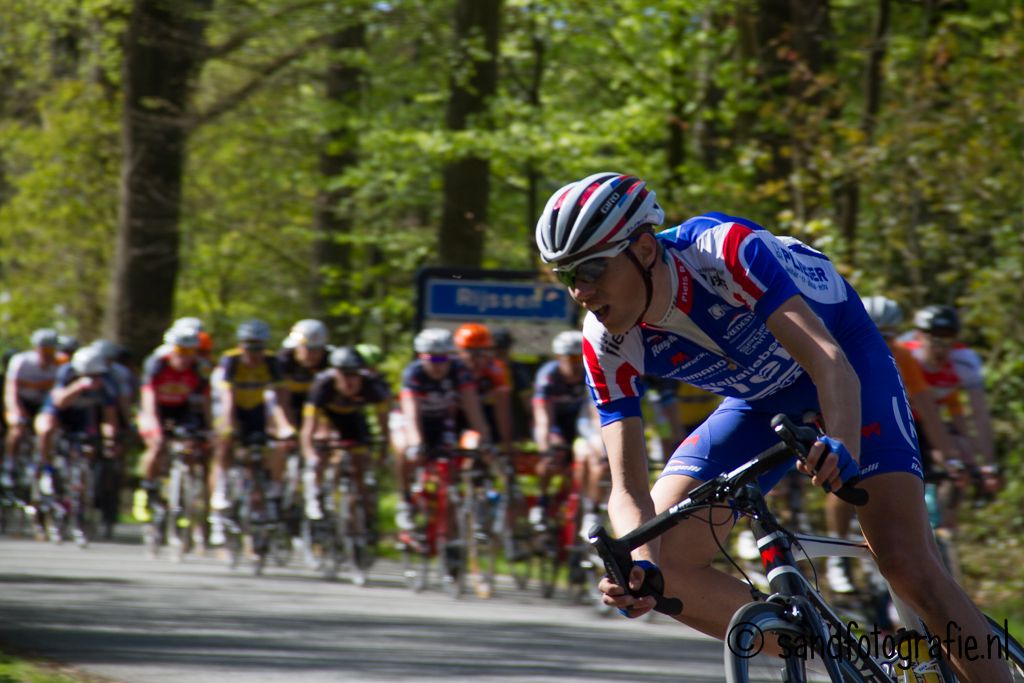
(457, 299)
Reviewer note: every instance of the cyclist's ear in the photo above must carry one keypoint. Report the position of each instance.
(646, 248)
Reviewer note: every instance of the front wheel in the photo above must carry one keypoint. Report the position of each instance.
(1011, 650)
(758, 624)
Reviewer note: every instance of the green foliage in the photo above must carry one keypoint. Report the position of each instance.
(583, 87)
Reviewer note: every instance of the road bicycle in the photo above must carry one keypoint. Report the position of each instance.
(253, 519)
(178, 514)
(62, 493)
(807, 628)
(346, 534)
(16, 489)
(449, 526)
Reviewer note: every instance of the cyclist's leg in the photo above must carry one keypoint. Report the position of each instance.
(910, 561)
(895, 521)
(731, 435)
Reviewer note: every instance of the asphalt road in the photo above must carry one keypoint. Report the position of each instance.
(110, 611)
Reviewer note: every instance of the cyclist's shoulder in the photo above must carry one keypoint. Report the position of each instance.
(690, 231)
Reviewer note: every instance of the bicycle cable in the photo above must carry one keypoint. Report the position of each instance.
(755, 593)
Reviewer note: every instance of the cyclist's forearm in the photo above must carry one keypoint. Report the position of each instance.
(931, 424)
(629, 502)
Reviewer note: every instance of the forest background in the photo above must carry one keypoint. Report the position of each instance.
(289, 159)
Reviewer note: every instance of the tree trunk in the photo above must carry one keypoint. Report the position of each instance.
(847, 196)
(332, 221)
(162, 54)
(466, 180)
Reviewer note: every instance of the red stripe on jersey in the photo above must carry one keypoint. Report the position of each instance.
(624, 376)
(596, 374)
(731, 252)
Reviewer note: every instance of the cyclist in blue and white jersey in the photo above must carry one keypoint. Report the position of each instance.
(560, 400)
(767, 323)
(82, 400)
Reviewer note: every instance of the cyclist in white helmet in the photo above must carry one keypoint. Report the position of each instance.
(82, 400)
(560, 400)
(769, 324)
(30, 376)
(302, 357)
(435, 387)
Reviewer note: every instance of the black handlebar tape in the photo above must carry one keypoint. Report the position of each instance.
(618, 563)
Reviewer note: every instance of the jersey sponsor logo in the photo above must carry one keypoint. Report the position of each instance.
(612, 344)
(740, 321)
(677, 467)
(660, 346)
(679, 358)
(684, 292)
(815, 275)
(717, 311)
(870, 468)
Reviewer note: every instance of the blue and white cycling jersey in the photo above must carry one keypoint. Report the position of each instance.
(728, 276)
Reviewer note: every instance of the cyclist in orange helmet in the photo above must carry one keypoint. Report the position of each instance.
(476, 348)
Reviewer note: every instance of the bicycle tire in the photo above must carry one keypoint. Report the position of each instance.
(549, 562)
(753, 622)
(1012, 651)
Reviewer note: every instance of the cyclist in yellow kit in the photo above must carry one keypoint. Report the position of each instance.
(246, 373)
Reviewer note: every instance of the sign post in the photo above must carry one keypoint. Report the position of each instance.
(533, 311)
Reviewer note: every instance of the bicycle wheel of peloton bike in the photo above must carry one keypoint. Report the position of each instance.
(548, 562)
(516, 537)
(745, 661)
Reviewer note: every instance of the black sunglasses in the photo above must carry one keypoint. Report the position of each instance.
(590, 271)
(586, 273)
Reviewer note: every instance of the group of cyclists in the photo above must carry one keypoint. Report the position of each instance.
(761, 324)
(458, 381)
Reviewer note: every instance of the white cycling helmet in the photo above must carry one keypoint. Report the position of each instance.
(189, 323)
(434, 340)
(45, 338)
(89, 360)
(312, 333)
(569, 343)
(602, 209)
(886, 313)
(184, 337)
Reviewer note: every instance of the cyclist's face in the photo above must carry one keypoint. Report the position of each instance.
(350, 382)
(252, 350)
(310, 356)
(616, 297)
(571, 366)
(182, 357)
(436, 365)
(937, 347)
(476, 358)
(47, 354)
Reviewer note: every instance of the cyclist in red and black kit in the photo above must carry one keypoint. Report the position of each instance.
(175, 393)
(435, 387)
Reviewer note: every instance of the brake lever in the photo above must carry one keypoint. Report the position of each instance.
(800, 438)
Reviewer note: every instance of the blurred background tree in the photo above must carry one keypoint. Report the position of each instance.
(305, 158)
